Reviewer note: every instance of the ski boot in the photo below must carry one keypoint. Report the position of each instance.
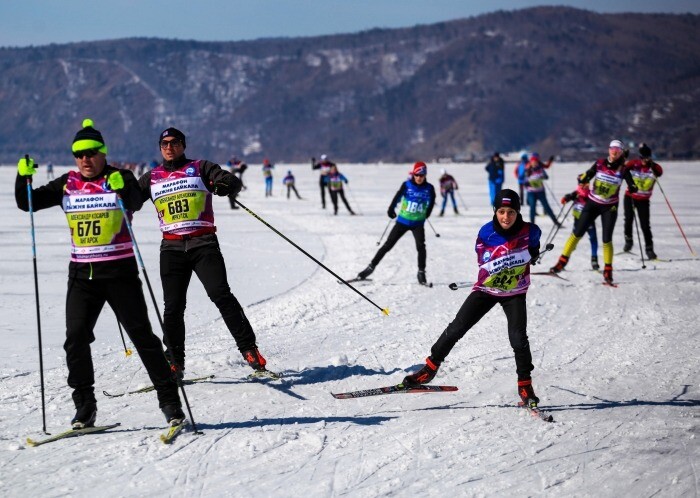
(442, 213)
(607, 274)
(650, 252)
(255, 359)
(366, 272)
(594, 263)
(421, 278)
(628, 244)
(177, 364)
(85, 416)
(456, 211)
(422, 376)
(173, 414)
(527, 393)
(563, 260)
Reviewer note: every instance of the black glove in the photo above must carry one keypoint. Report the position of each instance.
(633, 188)
(551, 158)
(229, 185)
(534, 255)
(391, 213)
(626, 153)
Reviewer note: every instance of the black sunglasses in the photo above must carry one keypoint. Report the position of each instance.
(172, 143)
(85, 153)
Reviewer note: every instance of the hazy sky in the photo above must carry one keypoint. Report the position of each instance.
(40, 22)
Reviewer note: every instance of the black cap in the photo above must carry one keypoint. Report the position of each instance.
(644, 151)
(507, 198)
(175, 133)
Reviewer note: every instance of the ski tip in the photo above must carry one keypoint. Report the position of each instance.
(31, 442)
(385, 311)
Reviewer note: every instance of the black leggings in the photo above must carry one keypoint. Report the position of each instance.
(84, 302)
(591, 210)
(176, 268)
(642, 208)
(334, 199)
(396, 233)
(474, 308)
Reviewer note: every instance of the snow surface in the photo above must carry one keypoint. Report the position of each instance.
(618, 368)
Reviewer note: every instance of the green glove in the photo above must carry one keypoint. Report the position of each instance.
(25, 169)
(115, 180)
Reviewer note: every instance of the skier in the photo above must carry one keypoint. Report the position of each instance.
(289, 182)
(605, 179)
(102, 269)
(496, 176)
(448, 185)
(181, 190)
(505, 247)
(267, 173)
(49, 172)
(535, 176)
(325, 167)
(417, 198)
(335, 187)
(237, 167)
(644, 173)
(520, 174)
(579, 197)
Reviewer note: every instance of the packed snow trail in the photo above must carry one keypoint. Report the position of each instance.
(617, 368)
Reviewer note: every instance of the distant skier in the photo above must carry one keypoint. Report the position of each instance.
(289, 181)
(417, 198)
(496, 175)
(325, 167)
(535, 175)
(448, 185)
(505, 248)
(267, 174)
(520, 175)
(49, 171)
(335, 187)
(644, 173)
(605, 179)
(237, 167)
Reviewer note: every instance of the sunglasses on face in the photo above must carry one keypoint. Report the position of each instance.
(85, 153)
(172, 143)
(419, 176)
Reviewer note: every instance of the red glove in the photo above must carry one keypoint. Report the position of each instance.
(564, 200)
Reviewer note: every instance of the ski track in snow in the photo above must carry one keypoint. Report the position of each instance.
(617, 368)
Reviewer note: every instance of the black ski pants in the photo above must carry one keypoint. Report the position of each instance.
(474, 308)
(396, 233)
(334, 199)
(591, 210)
(84, 302)
(642, 208)
(323, 185)
(176, 268)
(291, 188)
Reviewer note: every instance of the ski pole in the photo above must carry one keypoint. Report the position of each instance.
(464, 204)
(383, 310)
(676, 219)
(155, 304)
(461, 285)
(127, 351)
(384, 232)
(431, 226)
(36, 297)
(551, 192)
(639, 240)
(556, 228)
(359, 209)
